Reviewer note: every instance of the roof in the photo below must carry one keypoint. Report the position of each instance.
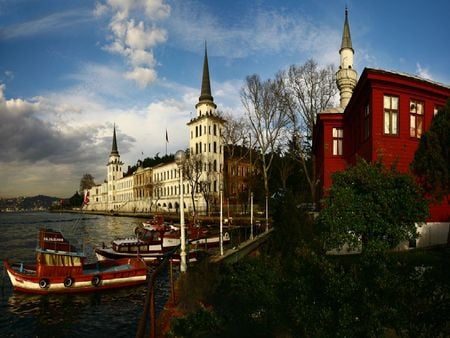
(114, 151)
(205, 94)
(406, 75)
(346, 37)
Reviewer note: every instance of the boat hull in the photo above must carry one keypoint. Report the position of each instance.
(95, 277)
(105, 254)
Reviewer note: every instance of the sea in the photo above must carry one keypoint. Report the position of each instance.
(109, 313)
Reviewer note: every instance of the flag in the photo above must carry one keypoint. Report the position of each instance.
(167, 137)
(86, 197)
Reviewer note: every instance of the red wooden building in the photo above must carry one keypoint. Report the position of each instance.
(381, 116)
(384, 119)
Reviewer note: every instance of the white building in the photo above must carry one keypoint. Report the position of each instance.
(155, 189)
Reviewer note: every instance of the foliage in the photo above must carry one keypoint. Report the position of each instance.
(247, 299)
(76, 200)
(370, 205)
(432, 159)
(309, 294)
(86, 182)
(198, 324)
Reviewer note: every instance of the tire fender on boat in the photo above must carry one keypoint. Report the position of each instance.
(44, 283)
(68, 282)
(96, 280)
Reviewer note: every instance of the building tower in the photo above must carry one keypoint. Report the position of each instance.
(115, 172)
(205, 130)
(346, 76)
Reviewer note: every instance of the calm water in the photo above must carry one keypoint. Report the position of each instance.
(103, 314)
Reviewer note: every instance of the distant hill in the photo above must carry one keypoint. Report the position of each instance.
(39, 202)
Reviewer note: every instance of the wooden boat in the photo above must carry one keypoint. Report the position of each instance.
(61, 268)
(152, 244)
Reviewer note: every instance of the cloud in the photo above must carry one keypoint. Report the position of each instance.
(135, 34)
(288, 32)
(143, 76)
(55, 22)
(423, 72)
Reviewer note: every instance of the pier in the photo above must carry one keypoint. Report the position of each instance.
(176, 304)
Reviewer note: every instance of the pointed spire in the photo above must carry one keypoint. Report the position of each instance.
(346, 38)
(114, 151)
(205, 94)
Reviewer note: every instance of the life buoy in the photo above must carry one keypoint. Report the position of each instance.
(68, 282)
(96, 280)
(44, 283)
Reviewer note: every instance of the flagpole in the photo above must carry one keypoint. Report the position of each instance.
(167, 140)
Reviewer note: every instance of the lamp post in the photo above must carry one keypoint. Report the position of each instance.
(180, 157)
(221, 218)
(251, 215)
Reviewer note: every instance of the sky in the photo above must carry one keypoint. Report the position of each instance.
(71, 70)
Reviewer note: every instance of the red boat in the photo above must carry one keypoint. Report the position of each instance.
(61, 268)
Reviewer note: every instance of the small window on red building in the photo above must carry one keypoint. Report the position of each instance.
(415, 118)
(436, 109)
(390, 115)
(338, 138)
(366, 122)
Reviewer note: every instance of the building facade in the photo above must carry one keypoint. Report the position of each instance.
(383, 119)
(157, 188)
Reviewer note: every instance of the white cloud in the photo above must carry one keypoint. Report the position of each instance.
(143, 76)
(258, 32)
(135, 34)
(55, 22)
(423, 72)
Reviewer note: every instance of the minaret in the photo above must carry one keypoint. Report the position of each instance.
(346, 76)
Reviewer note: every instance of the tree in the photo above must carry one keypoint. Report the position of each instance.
(86, 182)
(267, 122)
(432, 159)
(371, 206)
(76, 200)
(305, 91)
(192, 171)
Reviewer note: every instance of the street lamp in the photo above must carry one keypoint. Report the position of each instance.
(251, 215)
(221, 217)
(180, 158)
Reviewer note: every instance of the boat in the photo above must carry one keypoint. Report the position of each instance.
(156, 223)
(61, 268)
(154, 243)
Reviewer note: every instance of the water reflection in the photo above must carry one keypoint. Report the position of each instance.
(113, 313)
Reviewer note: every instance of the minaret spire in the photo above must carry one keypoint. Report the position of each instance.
(346, 37)
(205, 94)
(346, 75)
(114, 151)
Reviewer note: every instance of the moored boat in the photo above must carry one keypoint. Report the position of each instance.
(61, 268)
(152, 244)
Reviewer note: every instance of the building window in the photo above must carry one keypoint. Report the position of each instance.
(215, 130)
(390, 115)
(415, 118)
(436, 110)
(366, 122)
(338, 138)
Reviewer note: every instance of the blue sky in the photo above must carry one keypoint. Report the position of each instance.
(69, 70)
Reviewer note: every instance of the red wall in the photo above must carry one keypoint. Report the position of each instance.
(391, 149)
